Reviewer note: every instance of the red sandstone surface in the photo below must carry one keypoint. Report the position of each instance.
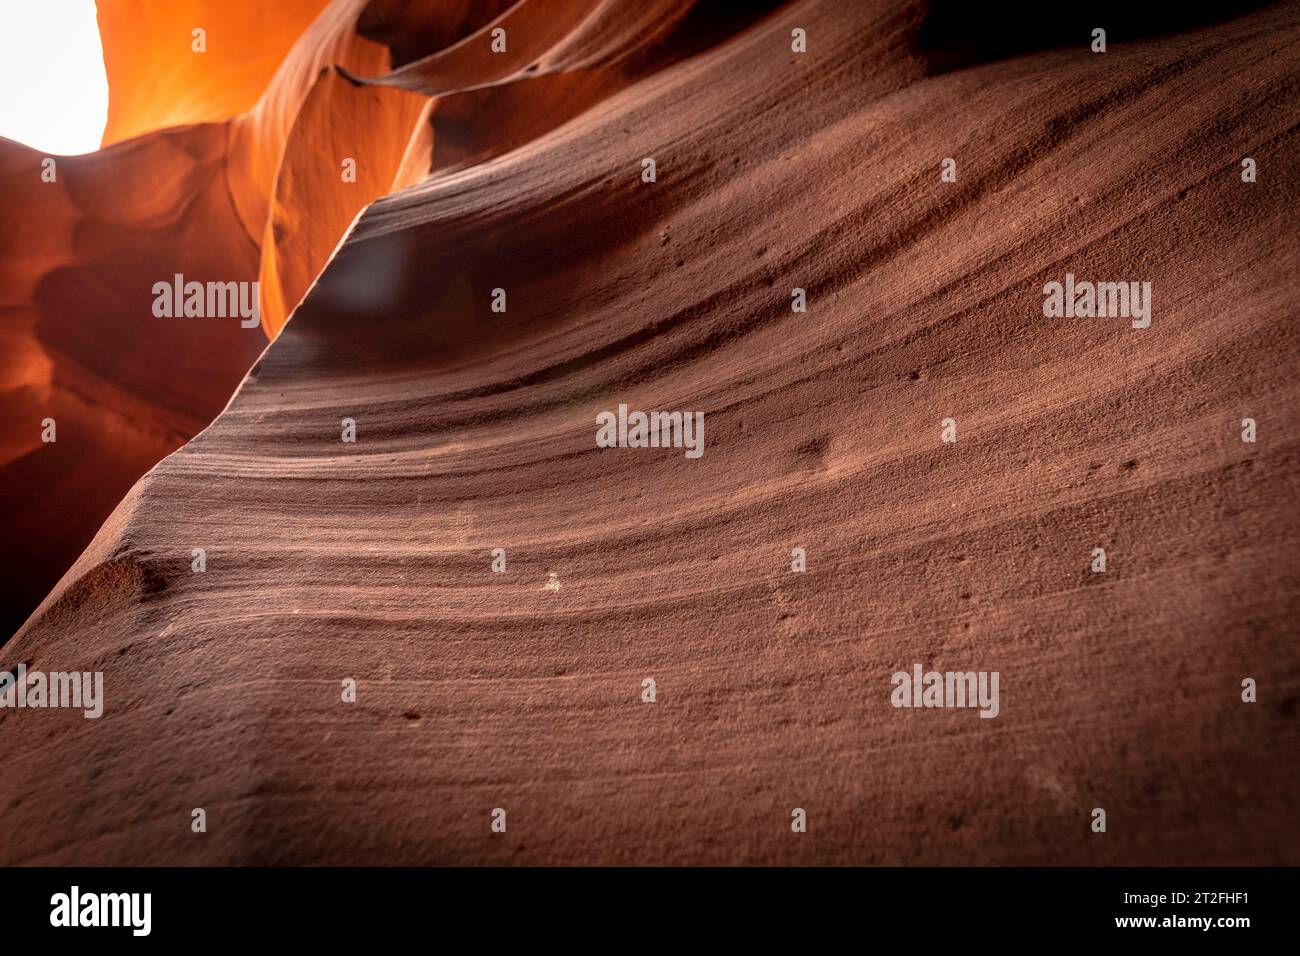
(522, 690)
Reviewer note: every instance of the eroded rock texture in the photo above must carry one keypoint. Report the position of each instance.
(522, 690)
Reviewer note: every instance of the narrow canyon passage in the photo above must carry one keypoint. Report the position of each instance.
(427, 591)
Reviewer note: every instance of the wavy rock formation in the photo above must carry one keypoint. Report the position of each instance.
(329, 561)
(210, 201)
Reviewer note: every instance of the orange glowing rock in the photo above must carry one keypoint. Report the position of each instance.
(155, 77)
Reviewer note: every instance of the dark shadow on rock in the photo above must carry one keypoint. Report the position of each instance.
(959, 33)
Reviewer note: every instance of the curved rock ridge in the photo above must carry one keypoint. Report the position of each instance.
(294, 151)
(222, 169)
(349, 680)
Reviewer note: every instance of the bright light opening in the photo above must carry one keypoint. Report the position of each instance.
(53, 88)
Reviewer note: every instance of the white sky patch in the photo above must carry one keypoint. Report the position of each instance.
(53, 88)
